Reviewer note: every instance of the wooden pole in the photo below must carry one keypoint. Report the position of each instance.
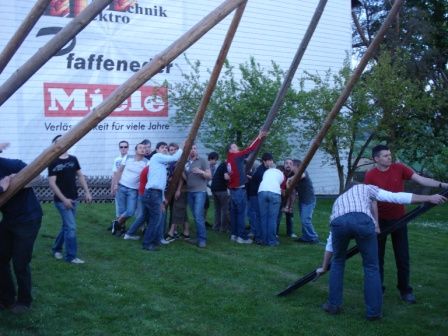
(22, 32)
(278, 102)
(77, 24)
(345, 94)
(117, 97)
(204, 101)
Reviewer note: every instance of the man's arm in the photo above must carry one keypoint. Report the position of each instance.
(428, 182)
(115, 179)
(83, 182)
(54, 187)
(4, 183)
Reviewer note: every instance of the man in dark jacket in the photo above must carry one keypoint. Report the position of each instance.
(22, 217)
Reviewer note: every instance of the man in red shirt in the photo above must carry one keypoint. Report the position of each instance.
(391, 176)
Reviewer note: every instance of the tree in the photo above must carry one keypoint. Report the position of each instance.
(238, 106)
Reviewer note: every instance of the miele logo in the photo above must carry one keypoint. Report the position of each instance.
(76, 100)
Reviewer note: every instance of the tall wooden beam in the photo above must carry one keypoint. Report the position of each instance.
(205, 100)
(279, 99)
(119, 95)
(77, 24)
(22, 32)
(345, 93)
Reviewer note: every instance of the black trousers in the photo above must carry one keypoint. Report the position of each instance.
(16, 246)
(400, 246)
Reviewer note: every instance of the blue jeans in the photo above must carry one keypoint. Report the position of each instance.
(238, 200)
(306, 216)
(127, 201)
(67, 235)
(140, 217)
(269, 205)
(196, 201)
(152, 201)
(359, 226)
(253, 212)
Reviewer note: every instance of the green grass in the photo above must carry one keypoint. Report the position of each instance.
(225, 289)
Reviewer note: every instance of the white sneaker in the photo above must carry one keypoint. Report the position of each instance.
(240, 240)
(130, 237)
(293, 235)
(233, 238)
(165, 242)
(58, 255)
(77, 261)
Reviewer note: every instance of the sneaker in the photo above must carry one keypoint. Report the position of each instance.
(233, 238)
(185, 237)
(151, 248)
(19, 308)
(409, 298)
(331, 309)
(130, 237)
(293, 235)
(240, 240)
(114, 226)
(77, 261)
(164, 241)
(58, 255)
(202, 244)
(170, 238)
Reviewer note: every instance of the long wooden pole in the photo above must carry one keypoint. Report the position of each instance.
(117, 97)
(30, 67)
(205, 100)
(279, 99)
(22, 32)
(345, 94)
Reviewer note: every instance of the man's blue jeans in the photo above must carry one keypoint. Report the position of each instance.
(152, 201)
(269, 205)
(196, 201)
(140, 219)
(127, 201)
(67, 235)
(358, 226)
(306, 216)
(253, 212)
(238, 200)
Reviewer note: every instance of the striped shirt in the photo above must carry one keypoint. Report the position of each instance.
(360, 197)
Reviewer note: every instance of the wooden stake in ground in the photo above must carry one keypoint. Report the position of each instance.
(77, 24)
(345, 94)
(22, 32)
(288, 78)
(117, 97)
(204, 101)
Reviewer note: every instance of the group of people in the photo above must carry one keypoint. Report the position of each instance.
(361, 213)
(140, 183)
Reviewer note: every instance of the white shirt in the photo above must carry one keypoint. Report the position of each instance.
(131, 173)
(118, 162)
(272, 180)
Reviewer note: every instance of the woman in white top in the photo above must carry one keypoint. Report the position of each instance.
(269, 199)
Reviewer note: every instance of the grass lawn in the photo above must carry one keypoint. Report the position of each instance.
(225, 289)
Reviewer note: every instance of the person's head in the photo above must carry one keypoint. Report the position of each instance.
(140, 149)
(123, 146)
(194, 152)
(212, 157)
(295, 165)
(172, 148)
(147, 144)
(55, 139)
(162, 147)
(232, 148)
(382, 156)
(288, 165)
(268, 160)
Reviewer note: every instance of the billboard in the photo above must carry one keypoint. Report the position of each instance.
(121, 40)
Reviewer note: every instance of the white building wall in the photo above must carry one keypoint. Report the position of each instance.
(269, 30)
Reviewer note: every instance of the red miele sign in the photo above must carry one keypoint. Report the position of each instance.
(76, 100)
